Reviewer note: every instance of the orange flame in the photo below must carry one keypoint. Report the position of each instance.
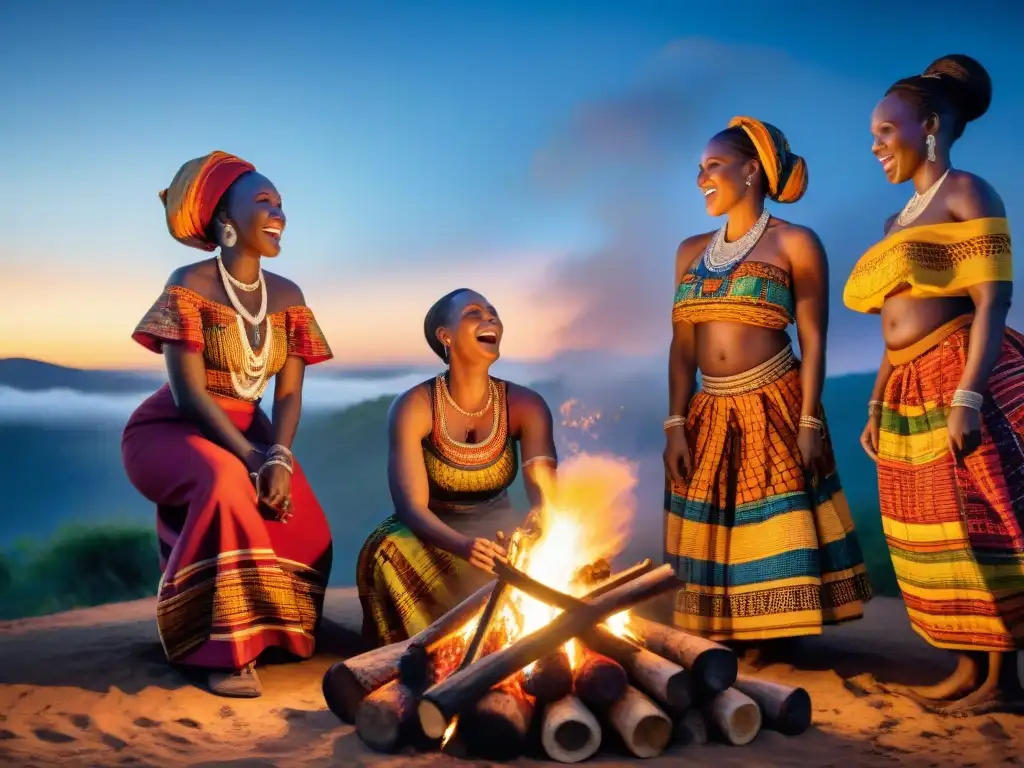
(587, 516)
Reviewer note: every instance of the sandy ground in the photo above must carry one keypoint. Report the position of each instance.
(90, 687)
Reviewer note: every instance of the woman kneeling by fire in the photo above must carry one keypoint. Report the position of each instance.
(451, 459)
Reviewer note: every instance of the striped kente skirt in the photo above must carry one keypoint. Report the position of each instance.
(765, 550)
(955, 531)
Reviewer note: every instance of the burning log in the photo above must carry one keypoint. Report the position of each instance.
(670, 684)
(550, 679)
(570, 732)
(712, 665)
(691, 728)
(348, 682)
(736, 716)
(386, 718)
(495, 728)
(644, 728)
(600, 681)
(786, 709)
(441, 702)
(667, 681)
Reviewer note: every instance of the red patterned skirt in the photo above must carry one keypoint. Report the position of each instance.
(955, 533)
(234, 582)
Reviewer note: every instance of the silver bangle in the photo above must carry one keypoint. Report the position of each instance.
(276, 462)
(967, 399)
(674, 421)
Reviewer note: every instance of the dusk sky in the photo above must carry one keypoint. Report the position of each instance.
(543, 153)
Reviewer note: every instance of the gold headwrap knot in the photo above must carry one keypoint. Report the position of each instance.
(192, 196)
(786, 171)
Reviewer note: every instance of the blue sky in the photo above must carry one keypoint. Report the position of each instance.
(543, 152)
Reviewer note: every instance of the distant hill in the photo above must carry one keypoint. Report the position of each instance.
(35, 375)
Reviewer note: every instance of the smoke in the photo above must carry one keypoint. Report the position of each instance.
(633, 160)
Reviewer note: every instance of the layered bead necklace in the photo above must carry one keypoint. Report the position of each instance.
(916, 205)
(721, 256)
(251, 381)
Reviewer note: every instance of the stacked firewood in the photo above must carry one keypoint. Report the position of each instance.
(472, 693)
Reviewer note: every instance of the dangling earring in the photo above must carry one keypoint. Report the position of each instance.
(930, 141)
(750, 179)
(229, 236)
(447, 354)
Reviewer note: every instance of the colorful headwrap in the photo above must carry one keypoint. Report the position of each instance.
(786, 171)
(193, 194)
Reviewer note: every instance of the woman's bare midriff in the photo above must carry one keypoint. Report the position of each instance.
(906, 319)
(726, 349)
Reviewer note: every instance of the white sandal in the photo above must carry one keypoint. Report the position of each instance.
(240, 684)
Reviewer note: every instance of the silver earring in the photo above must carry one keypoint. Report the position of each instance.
(447, 354)
(229, 237)
(930, 141)
(750, 179)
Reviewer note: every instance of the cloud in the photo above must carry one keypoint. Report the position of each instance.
(632, 158)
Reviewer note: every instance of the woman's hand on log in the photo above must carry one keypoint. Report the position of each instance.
(482, 553)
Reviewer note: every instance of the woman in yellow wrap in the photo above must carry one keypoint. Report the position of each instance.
(757, 525)
(452, 455)
(946, 418)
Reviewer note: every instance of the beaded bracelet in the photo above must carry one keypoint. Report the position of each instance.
(812, 423)
(674, 421)
(968, 399)
(279, 450)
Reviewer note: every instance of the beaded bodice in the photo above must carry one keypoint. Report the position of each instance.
(183, 316)
(752, 292)
(468, 473)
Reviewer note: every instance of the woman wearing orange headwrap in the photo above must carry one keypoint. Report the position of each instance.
(757, 525)
(245, 549)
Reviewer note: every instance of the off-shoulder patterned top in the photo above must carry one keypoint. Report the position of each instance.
(185, 317)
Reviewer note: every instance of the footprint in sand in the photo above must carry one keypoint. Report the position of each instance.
(189, 723)
(52, 736)
(145, 722)
(5, 735)
(113, 742)
(81, 722)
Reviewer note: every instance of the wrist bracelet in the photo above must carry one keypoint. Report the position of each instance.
(674, 421)
(967, 399)
(276, 462)
(279, 450)
(812, 423)
(874, 406)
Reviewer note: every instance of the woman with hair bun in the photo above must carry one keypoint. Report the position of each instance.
(451, 459)
(757, 525)
(946, 419)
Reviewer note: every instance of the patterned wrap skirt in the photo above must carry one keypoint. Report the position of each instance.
(405, 584)
(954, 529)
(766, 550)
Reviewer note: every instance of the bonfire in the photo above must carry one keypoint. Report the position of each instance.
(553, 655)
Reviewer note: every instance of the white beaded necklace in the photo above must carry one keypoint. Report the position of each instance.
(917, 204)
(254, 320)
(721, 256)
(251, 381)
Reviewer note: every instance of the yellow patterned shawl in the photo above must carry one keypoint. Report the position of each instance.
(933, 260)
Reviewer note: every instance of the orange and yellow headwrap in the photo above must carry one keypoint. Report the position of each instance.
(786, 171)
(192, 197)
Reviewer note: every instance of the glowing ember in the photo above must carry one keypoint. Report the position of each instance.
(449, 731)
